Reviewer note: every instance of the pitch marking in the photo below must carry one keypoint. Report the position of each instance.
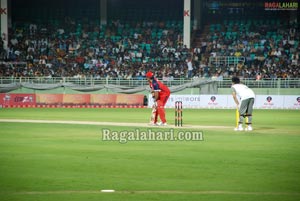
(110, 124)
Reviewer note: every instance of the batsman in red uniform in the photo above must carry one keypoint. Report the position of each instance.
(161, 95)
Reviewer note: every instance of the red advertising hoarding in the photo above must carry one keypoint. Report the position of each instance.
(49, 99)
(76, 99)
(103, 99)
(132, 99)
(17, 99)
(70, 100)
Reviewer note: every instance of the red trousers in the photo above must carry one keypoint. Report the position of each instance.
(161, 102)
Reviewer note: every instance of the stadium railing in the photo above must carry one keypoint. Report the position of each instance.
(225, 60)
(134, 82)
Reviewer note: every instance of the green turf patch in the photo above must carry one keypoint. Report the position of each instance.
(63, 161)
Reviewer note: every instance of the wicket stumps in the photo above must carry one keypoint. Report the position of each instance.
(178, 113)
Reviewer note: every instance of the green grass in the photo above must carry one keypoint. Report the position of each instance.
(63, 161)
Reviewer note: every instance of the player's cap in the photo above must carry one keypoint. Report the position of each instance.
(149, 74)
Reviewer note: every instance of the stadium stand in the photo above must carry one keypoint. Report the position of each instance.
(136, 40)
(269, 48)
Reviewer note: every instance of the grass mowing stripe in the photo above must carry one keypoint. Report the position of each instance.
(156, 192)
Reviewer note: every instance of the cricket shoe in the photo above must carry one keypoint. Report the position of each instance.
(152, 123)
(161, 124)
(249, 128)
(239, 128)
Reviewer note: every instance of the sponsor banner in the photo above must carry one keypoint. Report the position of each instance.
(42, 100)
(130, 99)
(17, 99)
(103, 99)
(292, 102)
(117, 99)
(189, 101)
(269, 102)
(51, 99)
(198, 101)
(137, 101)
(214, 101)
(226, 101)
(76, 99)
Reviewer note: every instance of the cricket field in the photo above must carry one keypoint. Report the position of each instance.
(59, 154)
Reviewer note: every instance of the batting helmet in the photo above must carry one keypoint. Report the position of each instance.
(149, 74)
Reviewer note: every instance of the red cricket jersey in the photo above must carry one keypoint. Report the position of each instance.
(163, 90)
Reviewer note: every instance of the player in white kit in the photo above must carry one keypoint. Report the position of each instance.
(244, 98)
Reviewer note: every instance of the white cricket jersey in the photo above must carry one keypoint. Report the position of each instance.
(242, 91)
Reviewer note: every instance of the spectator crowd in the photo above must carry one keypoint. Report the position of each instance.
(129, 49)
